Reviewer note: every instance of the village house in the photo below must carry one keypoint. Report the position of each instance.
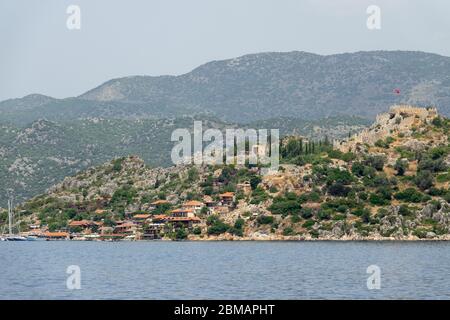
(36, 225)
(152, 231)
(194, 205)
(159, 218)
(183, 216)
(187, 222)
(126, 227)
(83, 226)
(227, 198)
(182, 213)
(141, 218)
(105, 230)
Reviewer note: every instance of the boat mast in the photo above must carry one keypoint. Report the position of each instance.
(10, 216)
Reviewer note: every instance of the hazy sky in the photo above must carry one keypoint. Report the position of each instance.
(39, 54)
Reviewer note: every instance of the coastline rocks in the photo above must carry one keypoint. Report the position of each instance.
(338, 229)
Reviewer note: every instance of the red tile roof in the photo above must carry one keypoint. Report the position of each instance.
(158, 202)
(193, 203)
(226, 195)
(56, 234)
(182, 210)
(142, 216)
(81, 223)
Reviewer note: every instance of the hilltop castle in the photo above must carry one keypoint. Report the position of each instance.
(399, 119)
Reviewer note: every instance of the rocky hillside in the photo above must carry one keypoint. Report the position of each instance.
(37, 156)
(258, 87)
(389, 182)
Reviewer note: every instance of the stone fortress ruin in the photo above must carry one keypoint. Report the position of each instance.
(400, 119)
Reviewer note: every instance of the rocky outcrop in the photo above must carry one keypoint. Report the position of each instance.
(401, 119)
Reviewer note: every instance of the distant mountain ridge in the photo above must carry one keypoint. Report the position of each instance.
(297, 92)
(261, 86)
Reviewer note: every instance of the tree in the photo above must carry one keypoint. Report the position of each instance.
(401, 166)
(285, 206)
(409, 195)
(265, 219)
(117, 164)
(216, 225)
(238, 227)
(365, 216)
(424, 180)
(376, 162)
(254, 181)
(337, 189)
(181, 234)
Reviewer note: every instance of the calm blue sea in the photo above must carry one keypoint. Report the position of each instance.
(224, 270)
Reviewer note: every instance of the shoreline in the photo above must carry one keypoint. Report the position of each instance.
(447, 239)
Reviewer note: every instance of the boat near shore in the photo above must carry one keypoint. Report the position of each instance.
(11, 236)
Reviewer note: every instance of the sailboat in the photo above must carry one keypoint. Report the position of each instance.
(11, 236)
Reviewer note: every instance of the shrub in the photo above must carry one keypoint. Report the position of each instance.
(359, 212)
(238, 227)
(295, 218)
(337, 217)
(401, 166)
(436, 192)
(338, 190)
(339, 176)
(308, 224)
(117, 164)
(336, 154)
(254, 181)
(437, 122)
(384, 143)
(443, 177)
(285, 206)
(404, 210)
(124, 194)
(424, 180)
(239, 223)
(324, 214)
(263, 219)
(259, 195)
(363, 196)
(358, 169)
(377, 199)
(288, 231)
(306, 213)
(409, 195)
(181, 234)
(365, 216)
(376, 162)
(427, 163)
(216, 225)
